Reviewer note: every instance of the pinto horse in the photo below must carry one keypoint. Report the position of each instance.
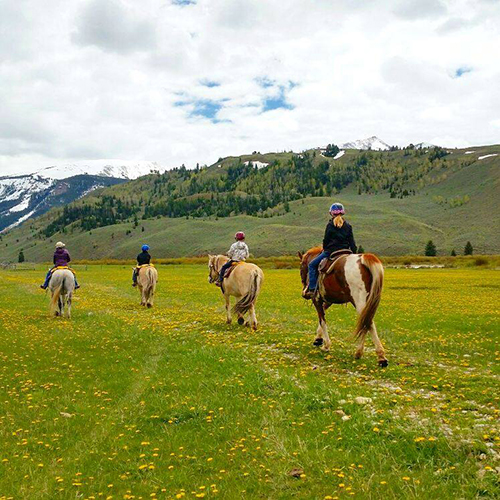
(244, 283)
(356, 279)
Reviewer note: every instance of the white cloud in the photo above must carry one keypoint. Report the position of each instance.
(95, 79)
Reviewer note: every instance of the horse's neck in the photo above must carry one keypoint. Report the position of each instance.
(221, 260)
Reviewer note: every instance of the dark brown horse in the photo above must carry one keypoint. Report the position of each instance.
(356, 278)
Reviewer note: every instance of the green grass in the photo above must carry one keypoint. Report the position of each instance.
(122, 402)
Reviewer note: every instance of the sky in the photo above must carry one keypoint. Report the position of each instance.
(189, 81)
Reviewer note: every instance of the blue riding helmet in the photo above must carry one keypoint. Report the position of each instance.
(145, 248)
(337, 209)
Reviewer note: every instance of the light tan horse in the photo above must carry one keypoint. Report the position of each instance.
(244, 283)
(146, 282)
(61, 286)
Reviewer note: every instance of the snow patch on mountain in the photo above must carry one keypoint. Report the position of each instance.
(425, 145)
(118, 169)
(373, 143)
(339, 155)
(258, 164)
(487, 156)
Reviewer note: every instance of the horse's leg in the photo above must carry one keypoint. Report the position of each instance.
(360, 349)
(379, 348)
(68, 306)
(60, 304)
(228, 309)
(253, 317)
(322, 338)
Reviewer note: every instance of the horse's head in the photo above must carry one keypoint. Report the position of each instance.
(213, 273)
(305, 258)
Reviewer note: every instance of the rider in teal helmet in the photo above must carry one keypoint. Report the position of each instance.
(142, 259)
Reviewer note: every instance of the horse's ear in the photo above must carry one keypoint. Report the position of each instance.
(300, 254)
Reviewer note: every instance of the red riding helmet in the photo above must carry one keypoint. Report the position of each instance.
(240, 235)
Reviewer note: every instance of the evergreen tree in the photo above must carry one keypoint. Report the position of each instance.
(331, 150)
(468, 250)
(21, 257)
(430, 249)
(453, 253)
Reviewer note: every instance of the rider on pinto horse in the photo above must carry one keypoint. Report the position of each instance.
(237, 253)
(338, 236)
(61, 259)
(143, 259)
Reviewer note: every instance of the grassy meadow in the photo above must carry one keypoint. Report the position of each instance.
(123, 402)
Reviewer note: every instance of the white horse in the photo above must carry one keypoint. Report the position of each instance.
(244, 283)
(61, 286)
(146, 282)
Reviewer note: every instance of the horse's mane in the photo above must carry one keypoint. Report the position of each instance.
(313, 251)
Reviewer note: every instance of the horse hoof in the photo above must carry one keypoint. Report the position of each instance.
(383, 363)
(240, 321)
(318, 342)
(150, 306)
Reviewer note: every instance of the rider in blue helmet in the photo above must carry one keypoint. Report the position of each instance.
(143, 259)
(338, 236)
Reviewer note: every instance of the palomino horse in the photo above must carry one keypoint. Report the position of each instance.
(358, 279)
(146, 282)
(244, 283)
(61, 286)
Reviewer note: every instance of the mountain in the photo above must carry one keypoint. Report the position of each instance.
(118, 169)
(373, 143)
(30, 195)
(25, 196)
(397, 200)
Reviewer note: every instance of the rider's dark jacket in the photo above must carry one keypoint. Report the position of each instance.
(143, 258)
(338, 238)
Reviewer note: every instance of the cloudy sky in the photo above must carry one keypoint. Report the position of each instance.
(186, 81)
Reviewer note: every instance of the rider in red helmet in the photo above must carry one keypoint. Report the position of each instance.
(237, 253)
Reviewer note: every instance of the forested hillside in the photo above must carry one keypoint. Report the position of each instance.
(255, 184)
(417, 194)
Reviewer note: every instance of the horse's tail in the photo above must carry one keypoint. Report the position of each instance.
(55, 297)
(365, 320)
(150, 281)
(246, 302)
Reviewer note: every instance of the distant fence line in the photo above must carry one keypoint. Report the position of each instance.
(286, 262)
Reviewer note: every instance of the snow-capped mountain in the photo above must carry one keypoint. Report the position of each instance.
(373, 143)
(425, 145)
(30, 195)
(118, 169)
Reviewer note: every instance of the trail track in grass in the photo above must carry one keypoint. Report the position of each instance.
(123, 402)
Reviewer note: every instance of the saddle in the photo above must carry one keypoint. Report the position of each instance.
(58, 268)
(231, 269)
(326, 265)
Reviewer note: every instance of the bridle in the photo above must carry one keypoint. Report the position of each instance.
(212, 269)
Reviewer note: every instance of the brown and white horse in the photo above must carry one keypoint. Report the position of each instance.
(146, 282)
(357, 279)
(244, 283)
